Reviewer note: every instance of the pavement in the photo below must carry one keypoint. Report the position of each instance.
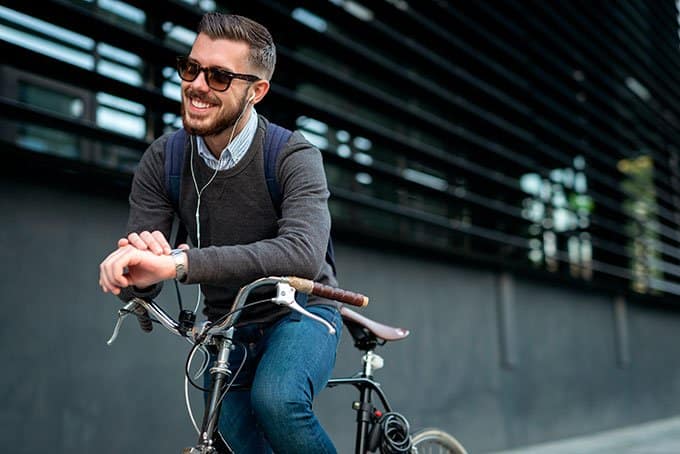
(657, 437)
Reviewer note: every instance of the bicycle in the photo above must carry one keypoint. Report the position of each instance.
(383, 430)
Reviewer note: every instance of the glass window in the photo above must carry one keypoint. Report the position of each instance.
(43, 139)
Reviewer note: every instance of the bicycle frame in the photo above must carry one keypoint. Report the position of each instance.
(364, 383)
(364, 406)
(375, 429)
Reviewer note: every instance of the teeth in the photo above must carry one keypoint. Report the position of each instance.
(199, 104)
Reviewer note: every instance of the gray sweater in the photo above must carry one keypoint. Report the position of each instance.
(242, 238)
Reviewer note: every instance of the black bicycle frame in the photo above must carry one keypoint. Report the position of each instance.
(363, 407)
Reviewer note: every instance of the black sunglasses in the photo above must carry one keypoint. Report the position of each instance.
(217, 78)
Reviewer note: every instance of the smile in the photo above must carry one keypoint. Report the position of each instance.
(200, 104)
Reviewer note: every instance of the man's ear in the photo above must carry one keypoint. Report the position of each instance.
(258, 91)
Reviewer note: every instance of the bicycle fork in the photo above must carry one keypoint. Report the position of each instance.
(221, 374)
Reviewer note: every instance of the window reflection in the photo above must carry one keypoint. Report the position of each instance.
(121, 115)
(342, 143)
(123, 11)
(310, 19)
(68, 46)
(48, 47)
(43, 139)
(559, 209)
(356, 9)
(178, 34)
(641, 207)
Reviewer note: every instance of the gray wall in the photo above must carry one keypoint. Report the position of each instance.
(499, 361)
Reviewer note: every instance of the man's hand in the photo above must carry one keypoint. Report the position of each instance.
(129, 265)
(150, 241)
(154, 242)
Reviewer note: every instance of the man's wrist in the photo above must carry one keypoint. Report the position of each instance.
(180, 260)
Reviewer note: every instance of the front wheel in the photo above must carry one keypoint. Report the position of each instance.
(435, 441)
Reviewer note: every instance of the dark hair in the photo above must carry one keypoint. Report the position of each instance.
(239, 28)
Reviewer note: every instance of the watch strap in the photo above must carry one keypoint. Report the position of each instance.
(180, 268)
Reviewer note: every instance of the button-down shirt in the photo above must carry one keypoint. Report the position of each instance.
(234, 151)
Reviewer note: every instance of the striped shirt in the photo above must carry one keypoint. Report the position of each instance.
(234, 151)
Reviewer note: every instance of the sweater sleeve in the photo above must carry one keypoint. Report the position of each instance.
(150, 206)
(303, 229)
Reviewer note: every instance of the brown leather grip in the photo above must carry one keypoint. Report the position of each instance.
(334, 293)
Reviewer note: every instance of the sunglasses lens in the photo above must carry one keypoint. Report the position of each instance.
(187, 70)
(218, 80)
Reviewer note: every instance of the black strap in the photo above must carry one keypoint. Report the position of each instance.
(174, 162)
(274, 140)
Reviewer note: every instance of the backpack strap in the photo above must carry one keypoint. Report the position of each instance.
(275, 139)
(174, 162)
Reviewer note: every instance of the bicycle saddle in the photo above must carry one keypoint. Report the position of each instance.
(380, 331)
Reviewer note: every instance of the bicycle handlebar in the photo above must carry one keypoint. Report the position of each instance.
(143, 318)
(143, 308)
(314, 288)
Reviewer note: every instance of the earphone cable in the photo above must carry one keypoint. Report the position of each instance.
(199, 192)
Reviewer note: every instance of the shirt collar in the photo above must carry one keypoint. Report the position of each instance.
(233, 152)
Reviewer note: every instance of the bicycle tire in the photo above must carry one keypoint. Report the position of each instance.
(432, 440)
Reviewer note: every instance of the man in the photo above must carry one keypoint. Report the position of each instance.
(239, 236)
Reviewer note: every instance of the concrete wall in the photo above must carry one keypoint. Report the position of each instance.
(497, 360)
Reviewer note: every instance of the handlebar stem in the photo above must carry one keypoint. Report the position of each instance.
(221, 364)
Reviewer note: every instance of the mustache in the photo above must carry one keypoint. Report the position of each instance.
(189, 93)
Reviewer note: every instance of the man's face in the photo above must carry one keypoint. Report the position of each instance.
(207, 112)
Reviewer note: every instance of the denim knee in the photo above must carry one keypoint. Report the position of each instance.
(279, 406)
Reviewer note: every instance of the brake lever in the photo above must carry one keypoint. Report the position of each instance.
(122, 313)
(285, 296)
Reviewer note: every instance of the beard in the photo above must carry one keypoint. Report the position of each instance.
(214, 126)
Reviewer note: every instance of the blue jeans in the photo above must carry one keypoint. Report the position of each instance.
(287, 364)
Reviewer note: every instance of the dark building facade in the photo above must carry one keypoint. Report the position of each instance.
(505, 179)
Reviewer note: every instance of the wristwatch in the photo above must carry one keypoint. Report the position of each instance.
(180, 269)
